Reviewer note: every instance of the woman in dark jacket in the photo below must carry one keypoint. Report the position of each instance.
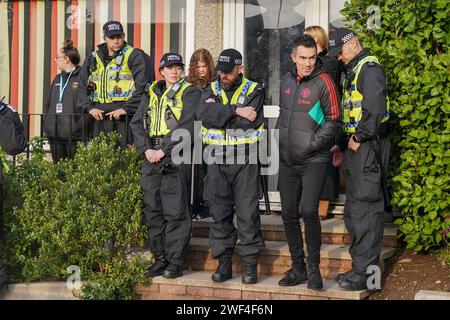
(331, 66)
(201, 74)
(63, 121)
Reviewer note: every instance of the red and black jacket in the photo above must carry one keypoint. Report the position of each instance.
(309, 118)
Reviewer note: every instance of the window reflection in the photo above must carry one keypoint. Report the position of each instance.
(270, 28)
(336, 19)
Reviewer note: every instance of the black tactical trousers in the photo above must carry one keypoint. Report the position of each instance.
(233, 189)
(364, 207)
(122, 126)
(302, 184)
(167, 213)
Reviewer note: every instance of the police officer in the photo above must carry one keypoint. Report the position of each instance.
(231, 103)
(167, 108)
(113, 80)
(308, 123)
(365, 113)
(12, 141)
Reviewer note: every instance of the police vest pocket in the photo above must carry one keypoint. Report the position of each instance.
(370, 184)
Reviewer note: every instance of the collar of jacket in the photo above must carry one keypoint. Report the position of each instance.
(323, 53)
(160, 87)
(364, 53)
(74, 72)
(103, 52)
(318, 69)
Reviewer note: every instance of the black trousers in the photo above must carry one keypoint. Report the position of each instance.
(62, 149)
(302, 184)
(122, 126)
(364, 207)
(199, 206)
(167, 213)
(233, 189)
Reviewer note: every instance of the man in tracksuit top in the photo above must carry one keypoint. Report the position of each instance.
(309, 121)
(366, 151)
(12, 141)
(113, 79)
(167, 109)
(231, 103)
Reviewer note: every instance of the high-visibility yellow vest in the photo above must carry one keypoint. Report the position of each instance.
(167, 109)
(113, 82)
(220, 136)
(352, 98)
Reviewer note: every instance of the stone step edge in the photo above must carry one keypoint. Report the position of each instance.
(265, 284)
(280, 248)
(328, 226)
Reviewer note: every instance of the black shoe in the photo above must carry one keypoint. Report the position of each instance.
(173, 271)
(224, 270)
(314, 278)
(294, 276)
(354, 282)
(250, 273)
(344, 275)
(157, 268)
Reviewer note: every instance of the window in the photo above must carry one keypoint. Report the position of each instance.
(270, 28)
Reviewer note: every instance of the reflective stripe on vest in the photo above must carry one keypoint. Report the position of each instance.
(115, 81)
(157, 108)
(220, 136)
(352, 99)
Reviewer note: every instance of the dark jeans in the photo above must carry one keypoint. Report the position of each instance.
(302, 184)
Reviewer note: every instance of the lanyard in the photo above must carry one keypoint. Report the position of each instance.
(61, 87)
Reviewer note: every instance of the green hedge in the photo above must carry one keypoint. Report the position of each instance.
(85, 212)
(412, 43)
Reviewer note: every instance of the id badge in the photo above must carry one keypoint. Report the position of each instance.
(59, 108)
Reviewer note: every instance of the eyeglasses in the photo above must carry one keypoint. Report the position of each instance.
(59, 57)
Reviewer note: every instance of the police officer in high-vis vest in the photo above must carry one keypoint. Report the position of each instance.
(113, 79)
(12, 141)
(167, 110)
(231, 111)
(365, 115)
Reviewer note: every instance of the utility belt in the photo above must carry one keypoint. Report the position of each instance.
(156, 142)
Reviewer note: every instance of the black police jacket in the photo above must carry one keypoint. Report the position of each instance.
(12, 135)
(309, 118)
(141, 67)
(190, 98)
(372, 84)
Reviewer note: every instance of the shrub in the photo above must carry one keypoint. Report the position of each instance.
(84, 212)
(412, 44)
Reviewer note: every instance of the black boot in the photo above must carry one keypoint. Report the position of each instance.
(341, 276)
(224, 270)
(294, 276)
(250, 273)
(354, 282)
(314, 277)
(173, 271)
(157, 268)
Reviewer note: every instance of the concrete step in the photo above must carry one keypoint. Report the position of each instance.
(276, 259)
(197, 285)
(333, 230)
(39, 291)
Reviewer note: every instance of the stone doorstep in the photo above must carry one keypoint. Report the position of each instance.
(432, 295)
(38, 291)
(280, 248)
(274, 223)
(194, 281)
